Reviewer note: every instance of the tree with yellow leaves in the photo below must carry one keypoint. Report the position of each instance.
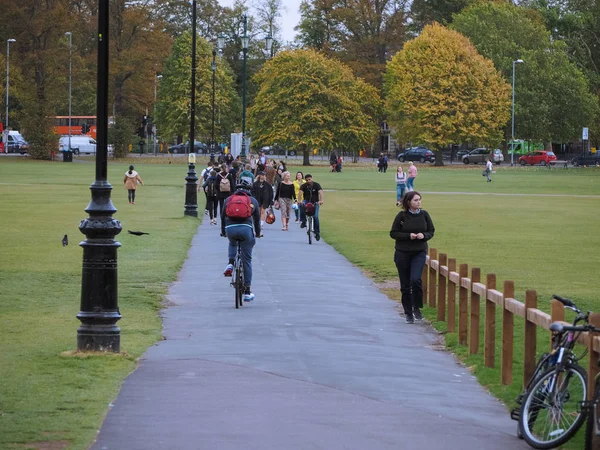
(441, 91)
(306, 101)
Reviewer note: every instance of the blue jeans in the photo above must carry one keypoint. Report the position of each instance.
(410, 184)
(245, 234)
(316, 216)
(410, 268)
(400, 191)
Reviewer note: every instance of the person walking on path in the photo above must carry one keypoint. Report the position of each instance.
(247, 175)
(286, 196)
(212, 199)
(311, 192)
(263, 193)
(488, 169)
(244, 230)
(400, 184)
(131, 180)
(412, 174)
(225, 184)
(411, 230)
(299, 181)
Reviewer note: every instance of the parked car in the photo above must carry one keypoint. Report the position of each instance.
(587, 159)
(420, 154)
(16, 143)
(276, 150)
(461, 153)
(480, 155)
(79, 144)
(538, 157)
(199, 147)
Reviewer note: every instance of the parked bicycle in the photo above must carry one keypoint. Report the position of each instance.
(592, 409)
(237, 279)
(551, 406)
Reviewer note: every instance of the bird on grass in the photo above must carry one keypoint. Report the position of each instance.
(137, 233)
(65, 241)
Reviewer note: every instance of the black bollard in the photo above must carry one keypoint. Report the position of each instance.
(191, 190)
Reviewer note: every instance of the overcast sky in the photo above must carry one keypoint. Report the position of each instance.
(290, 16)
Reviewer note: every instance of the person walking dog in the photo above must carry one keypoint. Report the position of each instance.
(411, 230)
(131, 180)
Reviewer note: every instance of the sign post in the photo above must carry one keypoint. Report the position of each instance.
(584, 138)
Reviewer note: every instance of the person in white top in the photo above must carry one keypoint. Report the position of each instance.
(488, 169)
(400, 184)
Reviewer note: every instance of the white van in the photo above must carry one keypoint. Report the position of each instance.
(79, 145)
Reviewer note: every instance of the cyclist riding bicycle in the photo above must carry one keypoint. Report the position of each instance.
(240, 223)
(310, 192)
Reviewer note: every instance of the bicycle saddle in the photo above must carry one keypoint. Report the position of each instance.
(556, 327)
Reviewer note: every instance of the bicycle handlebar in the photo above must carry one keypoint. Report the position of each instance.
(564, 300)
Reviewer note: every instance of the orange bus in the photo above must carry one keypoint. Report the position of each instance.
(80, 125)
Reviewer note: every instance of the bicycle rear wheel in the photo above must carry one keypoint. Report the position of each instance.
(592, 429)
(238, 282)
(551, 411)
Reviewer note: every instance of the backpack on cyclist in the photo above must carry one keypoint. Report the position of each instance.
(239, 206)
(211, 189)
(224, 184)
(310, 209)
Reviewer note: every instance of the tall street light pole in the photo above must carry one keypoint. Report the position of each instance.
(191, 194)
(156, 78)
(68, 33)
(99, 300)
(512, 153)
(214, 70)
(8, 42)
(245, 40)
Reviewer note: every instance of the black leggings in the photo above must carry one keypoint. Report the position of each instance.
(211, 205)
(221, 203)
(131, 195)
(410, 267)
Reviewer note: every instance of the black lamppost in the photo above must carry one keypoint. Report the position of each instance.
(245, 40)
(214, 70)
(99, 301)
(191, 185)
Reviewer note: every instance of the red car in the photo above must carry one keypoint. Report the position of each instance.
(538, 157)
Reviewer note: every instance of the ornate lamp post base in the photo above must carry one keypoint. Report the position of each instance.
(191, 192)
(99, 299)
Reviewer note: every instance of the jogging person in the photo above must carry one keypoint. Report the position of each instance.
(240, 221)
(311, 192)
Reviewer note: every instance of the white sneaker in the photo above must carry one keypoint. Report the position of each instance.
(248, 297)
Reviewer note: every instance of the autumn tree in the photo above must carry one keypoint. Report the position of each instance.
(441, 91)
(361, 33)
(552, 97)
(306, 101)
(173, 109)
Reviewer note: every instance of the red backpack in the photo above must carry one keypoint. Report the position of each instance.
(239, 206)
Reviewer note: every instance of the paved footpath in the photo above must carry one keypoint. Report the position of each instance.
(320, 360)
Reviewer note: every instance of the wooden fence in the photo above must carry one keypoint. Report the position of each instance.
(440, 282)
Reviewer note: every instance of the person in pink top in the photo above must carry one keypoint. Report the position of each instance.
(412, 174)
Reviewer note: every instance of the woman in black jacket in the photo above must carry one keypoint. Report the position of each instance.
(412, 228)
(262, 191)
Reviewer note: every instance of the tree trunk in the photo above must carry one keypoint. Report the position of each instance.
(439, 161)
(305, 150)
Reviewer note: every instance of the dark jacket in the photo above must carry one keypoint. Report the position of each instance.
(263, 194)
(254, 219)
(406, 223)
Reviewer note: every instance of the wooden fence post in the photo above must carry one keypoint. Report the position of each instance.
(463, 311)
(451, 297)
(475, 313)
(557, 313)
(432, 278)
(530, 338)
(441, 303)
(593, 369)
(424, 282)
(489, 350)
(508, 334)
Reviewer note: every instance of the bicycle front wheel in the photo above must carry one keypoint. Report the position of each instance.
(592, 430)
(309, 228)
(551, 410)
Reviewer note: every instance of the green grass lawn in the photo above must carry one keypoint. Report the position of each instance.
(547, 243)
